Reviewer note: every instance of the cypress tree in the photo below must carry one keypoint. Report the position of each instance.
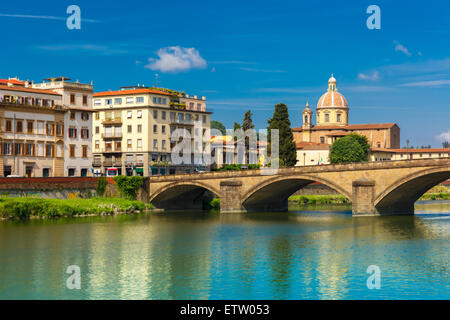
(280, 120)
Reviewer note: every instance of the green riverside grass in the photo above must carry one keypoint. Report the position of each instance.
(24, 208)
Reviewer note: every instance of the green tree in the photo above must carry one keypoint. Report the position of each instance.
(219, 126)
(101, 186)
(351, 148)
(129, 186)
(247, 123)
(280, 120)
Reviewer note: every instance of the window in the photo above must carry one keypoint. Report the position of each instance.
(7, 148)
(154, 100)
(118, 101)
(84, 116)
(97, 144)
(117, 115)
(72, 98)
(188, 118)
(327, 117)
(30, 126)
(139, 114)
(29, 149)
(49, 150)
(140, 100)
(139, 143)
(199, 106)
(338, 117)
(129, 114)
(155, 144)
(49, 129)
(129, 129)
(204, 119)
(163, 115)
(84, 133)
(163, 144)
(71, 172)
(72, 150)
(118, 146)
(155, 128)
(139, 130)
(108, 115)
(85, 100)
(19, 126)
(164, 101)
(108, 102)
(72, 132)
(155, 114)
(72, 115)
(97, 129)
(191, 106)
(97, 116)
(97, 102)
(18, 149)
(8, 125)
(163, 129)
(85, 151)
(196, 117)
(84, 172)
(129, 145)
(172, 117)
(59, 129)
(130, 100)
(322, 139)
(159, 100)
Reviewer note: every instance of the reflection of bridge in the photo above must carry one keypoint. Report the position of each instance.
(373, 187)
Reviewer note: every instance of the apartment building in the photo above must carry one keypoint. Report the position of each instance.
(133, 128)
(35, 121)
(77, 100)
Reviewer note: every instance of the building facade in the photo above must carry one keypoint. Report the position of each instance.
(333, 123)
(34, 126)
(133, 127)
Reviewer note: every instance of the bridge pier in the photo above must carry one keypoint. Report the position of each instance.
(230, 200)
(363, 197)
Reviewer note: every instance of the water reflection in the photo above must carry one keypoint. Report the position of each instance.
(301, 254)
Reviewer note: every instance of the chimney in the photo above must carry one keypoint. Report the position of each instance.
(203, 98)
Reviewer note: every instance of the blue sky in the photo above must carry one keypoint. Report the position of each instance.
(249, 54)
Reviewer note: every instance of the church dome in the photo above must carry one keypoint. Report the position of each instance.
(332, 98)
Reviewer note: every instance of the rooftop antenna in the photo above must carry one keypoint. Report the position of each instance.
(156, 80)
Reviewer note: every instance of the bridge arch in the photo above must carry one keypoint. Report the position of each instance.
(181, 195)
(399, 197)
(273, 193)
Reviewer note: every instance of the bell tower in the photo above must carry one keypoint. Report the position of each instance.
(307, 115)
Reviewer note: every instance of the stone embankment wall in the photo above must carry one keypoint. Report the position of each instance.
(54, 187)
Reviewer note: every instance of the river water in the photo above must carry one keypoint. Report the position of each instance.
(306, 253)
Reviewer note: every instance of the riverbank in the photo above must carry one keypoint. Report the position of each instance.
(29, 208)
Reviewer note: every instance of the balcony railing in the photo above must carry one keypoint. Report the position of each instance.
(112, 136)
(112, 121)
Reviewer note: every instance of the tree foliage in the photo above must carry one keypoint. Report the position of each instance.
(129, 186)
(351, 148)
(280, 120)
(219, 126)
(101, 186)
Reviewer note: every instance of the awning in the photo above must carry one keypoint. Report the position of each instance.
(139, 170)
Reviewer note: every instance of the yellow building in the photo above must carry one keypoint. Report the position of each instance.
(133, 127)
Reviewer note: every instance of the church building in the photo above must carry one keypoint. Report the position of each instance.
(333, 122)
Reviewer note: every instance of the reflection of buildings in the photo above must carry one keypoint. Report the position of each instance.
(45, 128)
(133, 128)
(313, 141)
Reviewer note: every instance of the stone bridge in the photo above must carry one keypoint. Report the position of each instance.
(374, 188)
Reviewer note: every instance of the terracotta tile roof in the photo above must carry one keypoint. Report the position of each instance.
(126, 92)
(437, 150)
(22, 89)
(13, 81)
(311, 146)
(351, 127)
(338, 133)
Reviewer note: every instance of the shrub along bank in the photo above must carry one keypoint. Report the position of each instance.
(23, 208)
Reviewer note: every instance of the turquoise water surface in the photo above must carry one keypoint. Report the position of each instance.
(307, 253)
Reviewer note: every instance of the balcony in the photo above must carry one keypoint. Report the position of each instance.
(111, 136)
(112, 163)
(96, 163)
(112, 121)
(177, 105)
(111, 150)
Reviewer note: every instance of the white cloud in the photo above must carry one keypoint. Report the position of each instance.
(444, 136)
(371, 77)
(176, 59)
(29, 16)
(261, 70)
(401, 48)
(431, 83)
